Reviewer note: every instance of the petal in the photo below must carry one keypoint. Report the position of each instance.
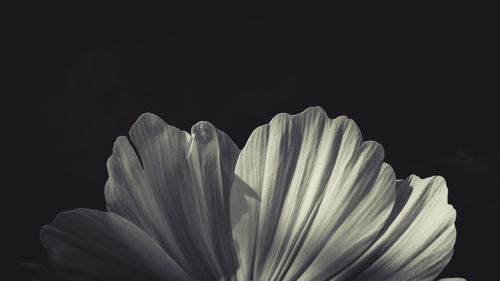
(177, 189)
(310, 196)
(452, 279)
(92, 245)
(417, 241)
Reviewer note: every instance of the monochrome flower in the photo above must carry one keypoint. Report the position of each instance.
(305, 199)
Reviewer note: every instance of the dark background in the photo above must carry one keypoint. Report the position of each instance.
(420, 80)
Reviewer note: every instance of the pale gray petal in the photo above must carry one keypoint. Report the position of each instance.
(177, 189)
(417, 241)
(309, 197)
(100, 246)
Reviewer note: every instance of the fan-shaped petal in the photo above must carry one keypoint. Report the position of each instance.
(176, 187)
(309, 197)
(417, 241)
(100, 246)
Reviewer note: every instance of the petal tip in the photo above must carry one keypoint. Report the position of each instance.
(146, 120)
(316, 111)
(203, 131)
(148, 116)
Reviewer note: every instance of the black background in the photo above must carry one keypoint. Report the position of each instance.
(420, 80)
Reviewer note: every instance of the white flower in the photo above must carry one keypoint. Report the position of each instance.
(306, 199)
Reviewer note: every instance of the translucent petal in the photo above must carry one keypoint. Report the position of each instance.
(177, 189)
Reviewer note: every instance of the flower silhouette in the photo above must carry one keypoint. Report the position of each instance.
(305, 199)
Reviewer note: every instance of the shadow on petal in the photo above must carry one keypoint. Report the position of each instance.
(241, 207)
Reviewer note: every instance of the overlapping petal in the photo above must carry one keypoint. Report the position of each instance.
(101, 246)
(177, 189)
(417, 241)
(309, 199)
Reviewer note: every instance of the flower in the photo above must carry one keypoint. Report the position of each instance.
(305, 199)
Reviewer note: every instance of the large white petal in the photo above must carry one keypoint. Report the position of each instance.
(309, 197)
(177, 190)
(101, 246)
(417, 241)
